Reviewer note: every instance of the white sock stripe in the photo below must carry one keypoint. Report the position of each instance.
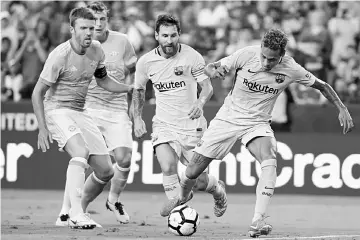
(268, 162)
(97, 179)
(171, 178)
(121, 169)
(81, 160)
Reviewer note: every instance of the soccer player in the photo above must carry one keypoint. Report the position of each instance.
(109, 111)
(178, 124)
(65, 78)
(262, 73)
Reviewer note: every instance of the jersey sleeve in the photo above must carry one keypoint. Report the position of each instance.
(237, 59)
(52, 68)
(302, 76)
(141, 77)
(129, 54)
(197, 68)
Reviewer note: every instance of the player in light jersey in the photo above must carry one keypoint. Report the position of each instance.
(65, 78)
(262, 73)
(109, 112)
(178, 124)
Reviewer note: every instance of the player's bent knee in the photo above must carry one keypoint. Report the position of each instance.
(105, 175)
(169, 169)
(124, 161)
(192, 171)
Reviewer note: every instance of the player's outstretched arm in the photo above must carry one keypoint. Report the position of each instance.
(37, 101)
(138, 102)
(328, 92)
(206, 92)
(216, 70)
(112, 85)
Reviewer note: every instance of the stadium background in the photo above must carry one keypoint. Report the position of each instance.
(314, 156)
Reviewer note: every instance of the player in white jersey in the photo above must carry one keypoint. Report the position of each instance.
(175, 70)
(109, 111)
(65, 78)
(262, 73)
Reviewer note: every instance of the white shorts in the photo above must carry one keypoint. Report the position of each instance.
(221, 136)
(182, 144)
(116, 127)
(65, 123)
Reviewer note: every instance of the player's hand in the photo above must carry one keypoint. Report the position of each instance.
(345, 120)
(131, 88)
(44, 138)
(139, 127)
(196, 110)
(221, 72)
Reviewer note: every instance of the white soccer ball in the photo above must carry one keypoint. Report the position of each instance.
(183, 221)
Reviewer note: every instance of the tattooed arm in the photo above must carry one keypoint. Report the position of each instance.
(138, 104)
(328, 92)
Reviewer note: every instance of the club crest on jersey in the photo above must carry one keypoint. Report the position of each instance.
(179, 70)
(280, 78)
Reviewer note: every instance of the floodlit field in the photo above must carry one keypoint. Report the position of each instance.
(27, 214)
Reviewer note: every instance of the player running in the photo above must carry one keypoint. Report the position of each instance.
(65, 78)
(262, 73)
(109, 110)
(178, 124)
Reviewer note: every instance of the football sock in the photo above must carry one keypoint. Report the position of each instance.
(93, 187)
(66, 201)
(265, 188)
(187, 185)
(75, 178)
(118, 182)
(213, 187)
(171, 186)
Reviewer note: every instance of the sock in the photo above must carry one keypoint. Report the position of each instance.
(92, 188)
(118, 182)
(187, 185)
(265, 188)
(171, 186)
(75, 178)
(213, 187)
(66, 202)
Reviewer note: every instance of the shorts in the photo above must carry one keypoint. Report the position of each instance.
(115, 127)
(182, 144)
(65, 123)
(221, 136)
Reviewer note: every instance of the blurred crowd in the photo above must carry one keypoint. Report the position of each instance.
(324, 38)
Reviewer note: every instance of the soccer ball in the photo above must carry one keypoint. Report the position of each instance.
(183, 221)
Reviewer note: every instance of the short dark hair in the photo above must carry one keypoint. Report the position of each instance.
(98, 7)
(80, 12)
(275, 39)
(167, 20)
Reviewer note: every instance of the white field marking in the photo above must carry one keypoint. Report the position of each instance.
(316, 237)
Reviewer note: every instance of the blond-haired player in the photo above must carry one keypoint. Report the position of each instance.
(65, 78)
(262, 73)
(175, 70)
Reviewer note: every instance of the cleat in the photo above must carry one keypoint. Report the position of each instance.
(119, 211)
(97, 225)
(259, 228)
(220, 203)
(173, 203)
(81, 221)
(62, 220)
